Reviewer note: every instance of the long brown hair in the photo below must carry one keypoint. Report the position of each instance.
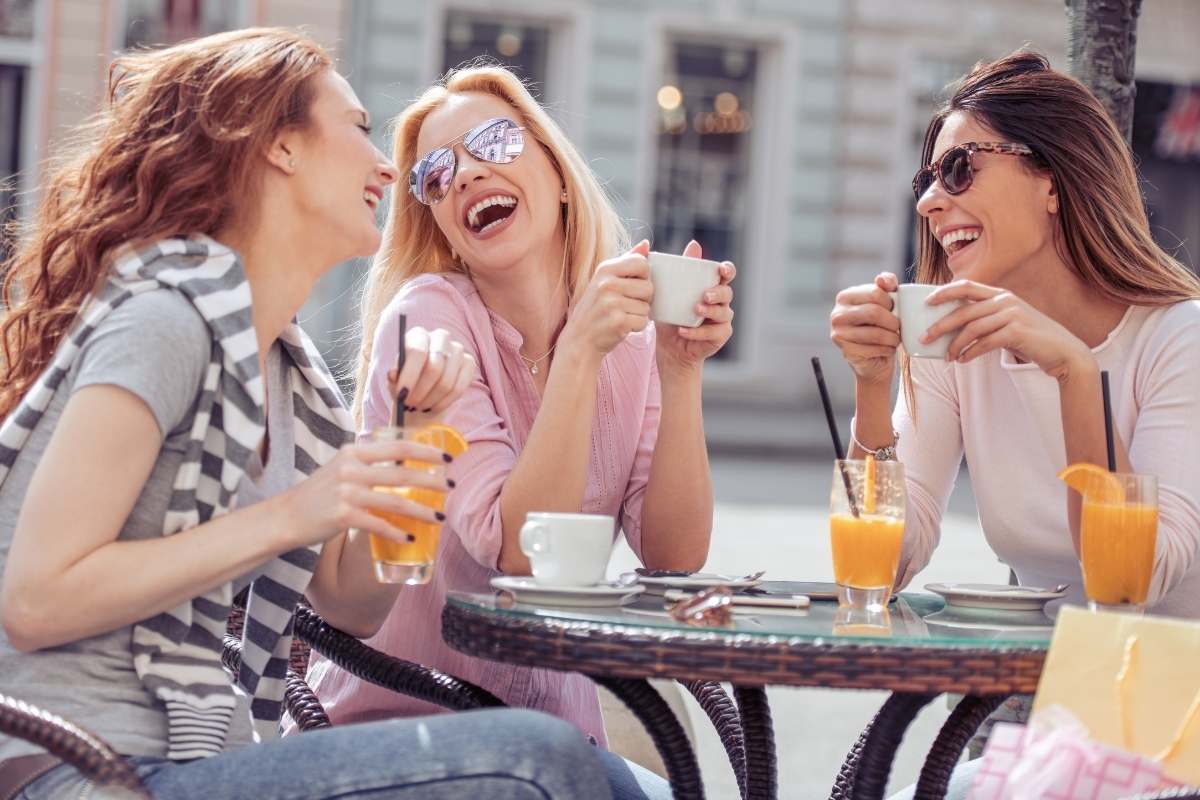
(1103, 231)
(174, 151)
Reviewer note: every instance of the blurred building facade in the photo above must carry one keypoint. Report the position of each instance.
(781, 134)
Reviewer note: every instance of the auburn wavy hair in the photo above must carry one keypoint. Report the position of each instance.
(1103, 232)
(176, 147)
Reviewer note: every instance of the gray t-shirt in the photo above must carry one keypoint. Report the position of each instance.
(156, 346)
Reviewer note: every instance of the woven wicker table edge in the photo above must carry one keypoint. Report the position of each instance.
(629, 651)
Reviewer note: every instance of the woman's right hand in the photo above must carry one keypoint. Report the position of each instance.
(864, 328)
(341, 494)
(615, 304)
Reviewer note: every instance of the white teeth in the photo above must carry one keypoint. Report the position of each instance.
(494, 200)
(371, 198)
(960, 235)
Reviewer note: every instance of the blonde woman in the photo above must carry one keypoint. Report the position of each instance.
(507, 241)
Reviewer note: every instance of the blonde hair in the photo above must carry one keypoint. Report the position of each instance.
(413, 245)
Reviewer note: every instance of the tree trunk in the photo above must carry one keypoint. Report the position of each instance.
(1101, 42)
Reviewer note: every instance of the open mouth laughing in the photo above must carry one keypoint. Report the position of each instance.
(956, 241)
(488, 215)
(372, 197)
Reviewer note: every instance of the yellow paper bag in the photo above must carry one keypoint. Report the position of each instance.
(1134, 682)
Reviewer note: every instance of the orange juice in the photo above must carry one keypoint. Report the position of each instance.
(1116, 543)
(866, 549)
(423, 547)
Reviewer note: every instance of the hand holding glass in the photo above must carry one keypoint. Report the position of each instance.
(411, 561)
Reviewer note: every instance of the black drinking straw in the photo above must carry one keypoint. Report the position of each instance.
(1108, 434)
(833, 432)
(398, 408)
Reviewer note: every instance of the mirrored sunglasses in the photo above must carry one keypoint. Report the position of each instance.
(497, 141)
(954, 169)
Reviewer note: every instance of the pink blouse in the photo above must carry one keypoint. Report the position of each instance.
(496, 414)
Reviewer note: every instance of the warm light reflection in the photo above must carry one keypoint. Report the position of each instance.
(508, 43)
(726, 103)
(707, 122)
(669, 98)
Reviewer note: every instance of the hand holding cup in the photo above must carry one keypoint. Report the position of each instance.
(864, 328)
(691, 307)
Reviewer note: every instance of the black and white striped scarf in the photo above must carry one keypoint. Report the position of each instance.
(177, 654)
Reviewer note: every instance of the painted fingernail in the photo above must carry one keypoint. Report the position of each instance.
(410, 408)
(451, 482)
(409, 538)
(447, 457)
(402, 394)
(426, 410)
(440, 516)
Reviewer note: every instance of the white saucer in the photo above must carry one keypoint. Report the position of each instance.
(995, 596)
(691, 583)
(987, 624)
(526, 590)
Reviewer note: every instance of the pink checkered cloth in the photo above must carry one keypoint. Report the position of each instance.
(1053, 759)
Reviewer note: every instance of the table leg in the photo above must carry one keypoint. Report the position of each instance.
(864, 774)
(761, 770)
(957, 731)
(665, 731)
(723, 714)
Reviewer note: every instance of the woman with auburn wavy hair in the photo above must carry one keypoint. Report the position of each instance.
(171, 437)
(1031, 215)
(508, 242)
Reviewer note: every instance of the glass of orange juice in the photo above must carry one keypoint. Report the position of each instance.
(866, 533)
(1118, 529)
(412, 561)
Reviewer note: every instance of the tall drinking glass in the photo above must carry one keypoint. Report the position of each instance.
(1117, 535)
(411, 561)
(866, 534)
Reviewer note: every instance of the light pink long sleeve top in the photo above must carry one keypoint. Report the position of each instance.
(1005, 418)
(496, 414)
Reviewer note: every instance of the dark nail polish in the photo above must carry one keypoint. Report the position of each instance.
(451, 482)
(403, 394)
(440, 516)
(447, 457)
(411, 408)
(410, 538)
(426, 410)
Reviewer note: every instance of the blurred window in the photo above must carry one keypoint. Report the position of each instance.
(705, 138)
(12, 91)
(521, 46)
(159, 22)
(16, 18)
(1166, 148)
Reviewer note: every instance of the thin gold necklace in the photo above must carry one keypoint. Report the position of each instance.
(533, 362)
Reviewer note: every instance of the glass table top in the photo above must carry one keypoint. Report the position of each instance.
(912, 620)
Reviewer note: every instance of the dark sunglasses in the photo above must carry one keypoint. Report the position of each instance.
(497, 141)
(954, 169)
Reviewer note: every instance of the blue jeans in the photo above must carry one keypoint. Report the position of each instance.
(504, 754)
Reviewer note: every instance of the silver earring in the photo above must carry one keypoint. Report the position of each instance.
(563, 196)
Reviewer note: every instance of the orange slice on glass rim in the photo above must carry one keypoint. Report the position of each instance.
(443, 436)
(1094, 482)
(869, 484)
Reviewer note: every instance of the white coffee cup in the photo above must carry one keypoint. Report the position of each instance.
(908, 303)
(567, 549)
(679, 284)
